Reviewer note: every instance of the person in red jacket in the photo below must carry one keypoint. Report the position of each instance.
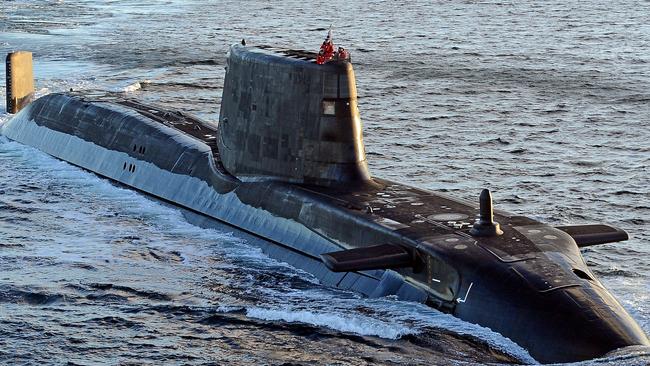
(343, 54)
(326, 52)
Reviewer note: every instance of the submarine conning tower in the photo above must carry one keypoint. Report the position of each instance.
(283, 117)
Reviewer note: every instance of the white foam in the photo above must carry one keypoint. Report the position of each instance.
(168, 219)
(383, 317)
(41, 92)
(342, 322)
(132, 88)
(228, 309)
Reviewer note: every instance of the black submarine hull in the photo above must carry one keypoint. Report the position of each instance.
(120, 144)
(287, 164)
(152, 154)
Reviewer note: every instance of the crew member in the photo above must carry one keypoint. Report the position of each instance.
(326, 52)
(343, 54)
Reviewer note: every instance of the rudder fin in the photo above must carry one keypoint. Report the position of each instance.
(20, 80)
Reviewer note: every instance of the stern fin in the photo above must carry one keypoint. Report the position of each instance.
(20, 80)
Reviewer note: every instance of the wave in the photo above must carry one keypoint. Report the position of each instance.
(384, 318)
(177, 85)
(17, 295)
(147, 294)
(114, 322)
(345, 323)
(132, 87)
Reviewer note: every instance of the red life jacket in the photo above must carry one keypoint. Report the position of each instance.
(326, 53)
(329, 50)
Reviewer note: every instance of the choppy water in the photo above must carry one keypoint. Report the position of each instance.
(546, 104)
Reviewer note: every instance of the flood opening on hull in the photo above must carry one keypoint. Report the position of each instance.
(582, 274)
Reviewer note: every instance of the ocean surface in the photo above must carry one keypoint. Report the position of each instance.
(547, 104)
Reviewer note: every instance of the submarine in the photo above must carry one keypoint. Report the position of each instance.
(286, 163)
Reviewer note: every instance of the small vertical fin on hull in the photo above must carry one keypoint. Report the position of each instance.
(20, 80)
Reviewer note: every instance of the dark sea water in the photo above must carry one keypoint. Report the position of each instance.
(547, 104)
